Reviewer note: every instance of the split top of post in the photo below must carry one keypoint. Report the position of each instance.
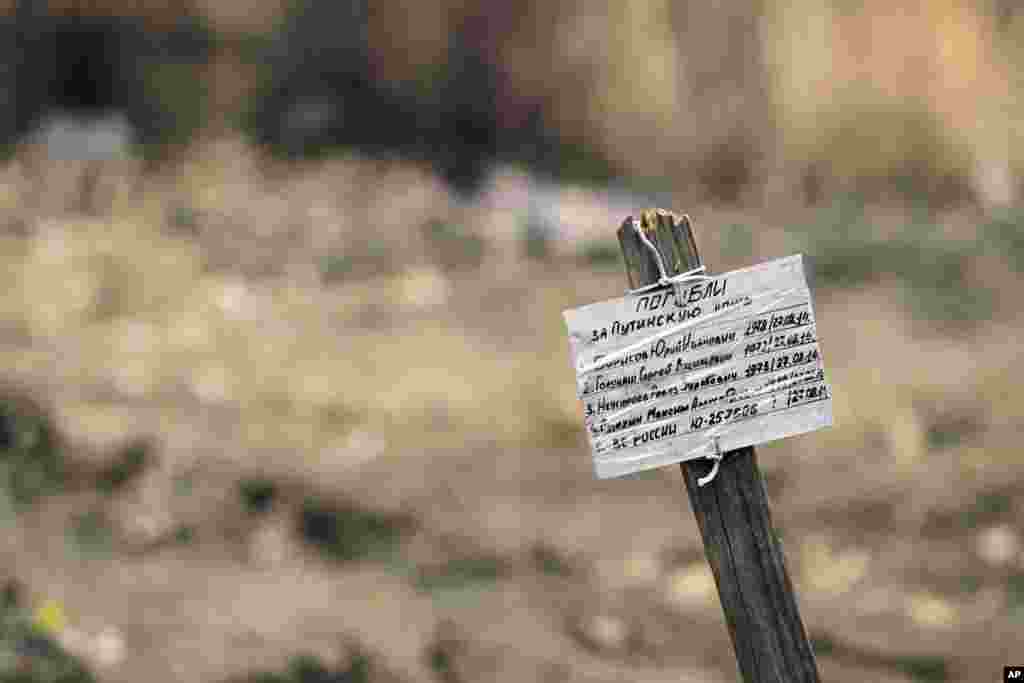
(671, 236)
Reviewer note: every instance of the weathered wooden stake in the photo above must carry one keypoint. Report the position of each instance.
(732, 510)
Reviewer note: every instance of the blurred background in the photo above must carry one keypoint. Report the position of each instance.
(285, 392)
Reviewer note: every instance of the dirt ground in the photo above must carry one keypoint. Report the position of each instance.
(395, 368)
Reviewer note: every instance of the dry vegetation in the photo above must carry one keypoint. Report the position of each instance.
(271, 422)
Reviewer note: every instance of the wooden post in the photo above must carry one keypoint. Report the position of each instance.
(732, 510)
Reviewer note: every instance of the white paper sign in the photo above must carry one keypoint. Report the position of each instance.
(666, 374)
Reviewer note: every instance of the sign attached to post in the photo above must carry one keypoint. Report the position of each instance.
(697, 368)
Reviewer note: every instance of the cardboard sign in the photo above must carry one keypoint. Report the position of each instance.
(685, 371)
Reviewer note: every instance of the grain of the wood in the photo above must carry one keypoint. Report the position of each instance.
(732, 511)
(676, 246)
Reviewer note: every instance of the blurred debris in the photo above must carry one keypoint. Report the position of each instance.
(128, 464)
(931, 611)
(257, 494)
(443, 653)
(467, 572)
(50, 617)
(309, 669)
(184, 534)
(1004, 232)
(345, 532)
(604, 633)
(108, 647)
(998, 546)
(691, 586)
(424, 288)
(824, 569)
(603, 254)
(987, 507)
(29, 652)
(185, 219)
(66, 138)
(549, 561)
(100, 79)
(320, 91)
(920, 668)
(1015, 596)
(272, 543)
(301, 376)
(32, 463)
(736, 242)
(952, 429)
(453, 246)
(90, 534)
(845, 251)
(538, 237)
